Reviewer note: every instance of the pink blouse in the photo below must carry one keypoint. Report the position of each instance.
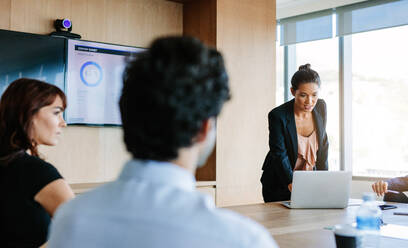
(307, 152)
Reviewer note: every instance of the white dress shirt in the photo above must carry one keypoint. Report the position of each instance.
(152, 204)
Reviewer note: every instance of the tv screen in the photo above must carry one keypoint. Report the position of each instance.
(32, 56)
(94, 81)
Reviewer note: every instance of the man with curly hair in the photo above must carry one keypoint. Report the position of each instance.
(171, 96)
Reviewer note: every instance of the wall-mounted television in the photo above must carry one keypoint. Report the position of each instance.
(94, 81)
(90, 73)
(33, 56)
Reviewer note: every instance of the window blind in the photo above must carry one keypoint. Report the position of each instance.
(309, 27)
(371, 15)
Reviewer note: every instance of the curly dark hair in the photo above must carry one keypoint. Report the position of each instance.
(168, 91)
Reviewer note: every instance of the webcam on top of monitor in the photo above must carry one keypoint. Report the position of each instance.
(63, 28)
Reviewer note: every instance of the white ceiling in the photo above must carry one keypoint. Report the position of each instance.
(287, 8)
(283, 2)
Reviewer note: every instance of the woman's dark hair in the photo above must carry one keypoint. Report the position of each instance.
(304, 75)
(168, 92)
(19, 103)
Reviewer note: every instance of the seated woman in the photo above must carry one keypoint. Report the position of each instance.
(297, 136)
(30, 188)
(392, 189)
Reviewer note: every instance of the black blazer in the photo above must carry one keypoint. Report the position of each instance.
(283, 149)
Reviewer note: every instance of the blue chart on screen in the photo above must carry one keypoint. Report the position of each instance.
(91, 74)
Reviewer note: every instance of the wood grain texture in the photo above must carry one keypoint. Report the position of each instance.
(79, 156)
(5, 7)
(37, 16)
(200, 20)
(115, 154)
(94, 154)
(89, 19)
(203, 187)
(246, 37)
(153, 18)
(127, 22)
(305, 227)
(315, 238)
(208, 171)
(181, 1)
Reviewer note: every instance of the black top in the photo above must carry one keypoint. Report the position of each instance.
(23, 221)
(283, 149)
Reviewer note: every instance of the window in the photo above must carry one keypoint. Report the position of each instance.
(373, 66)
(280, 87)
(380, 102)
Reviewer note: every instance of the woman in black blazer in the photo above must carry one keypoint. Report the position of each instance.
(297, 136)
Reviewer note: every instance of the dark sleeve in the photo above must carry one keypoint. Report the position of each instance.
(278, 152)
(398, 184)
(324, 150)
(40, 174)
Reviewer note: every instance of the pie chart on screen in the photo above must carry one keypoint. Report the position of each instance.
(91, 74)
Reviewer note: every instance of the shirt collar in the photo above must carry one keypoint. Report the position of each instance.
(158, 172)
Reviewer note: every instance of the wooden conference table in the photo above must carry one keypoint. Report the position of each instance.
(305, 227)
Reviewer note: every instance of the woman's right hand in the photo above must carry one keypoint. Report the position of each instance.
(290, 187)
(380, 187)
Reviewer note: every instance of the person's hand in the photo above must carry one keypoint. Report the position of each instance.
(380, 187)
(290, 187)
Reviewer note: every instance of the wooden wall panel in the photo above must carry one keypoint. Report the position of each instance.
(93, 154)
(128, 22)
(79, 154)
(200, 20)
(208, 172)
(37, 16)
(5, 7)
(246, 37)
(115, 155)
(113, 7)
(89, 19)
(153, 18)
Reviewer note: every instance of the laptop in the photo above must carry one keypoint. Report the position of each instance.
(320, 189)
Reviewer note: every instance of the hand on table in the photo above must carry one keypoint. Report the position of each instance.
(380, 187)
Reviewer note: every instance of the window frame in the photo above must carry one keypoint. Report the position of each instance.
(345, 100)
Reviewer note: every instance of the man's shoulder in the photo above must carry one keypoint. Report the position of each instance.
(78, 216)
(88, 201)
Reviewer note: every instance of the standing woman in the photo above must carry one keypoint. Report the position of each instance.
(297, 136)
(30, 188)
